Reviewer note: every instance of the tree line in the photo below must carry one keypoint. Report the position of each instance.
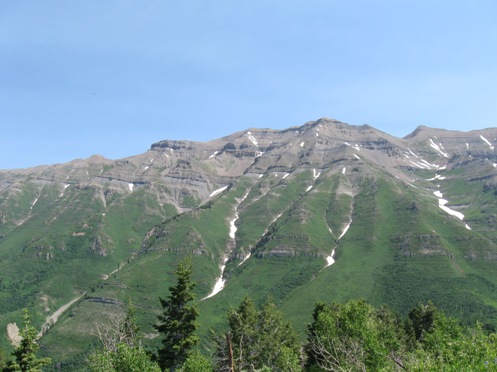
(354, 336)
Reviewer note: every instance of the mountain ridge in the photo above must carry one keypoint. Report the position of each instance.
(278, 213)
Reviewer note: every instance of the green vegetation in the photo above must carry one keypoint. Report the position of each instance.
(108, 232)
(178, 322)
(25, 359)
(257, 339)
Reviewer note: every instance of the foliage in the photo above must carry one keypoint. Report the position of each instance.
(25, 353)
(178, 320)
(124, 359)
(129, 327)
(356, 336)
(449, 346)
(258, 339)
(122, 351)
(353, 336)
(196, 362)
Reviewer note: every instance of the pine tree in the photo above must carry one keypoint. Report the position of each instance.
(178, 321)
(25, 353)
(129, 327)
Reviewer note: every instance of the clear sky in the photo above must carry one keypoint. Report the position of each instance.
(111, 77)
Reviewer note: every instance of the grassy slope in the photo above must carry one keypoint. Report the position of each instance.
(56, 264)
(400, 249)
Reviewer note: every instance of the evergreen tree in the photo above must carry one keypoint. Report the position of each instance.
(25, 353)
(129, 327)
(178, 322)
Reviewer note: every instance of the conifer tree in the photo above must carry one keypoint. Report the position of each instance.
(178, 322)
(25, 353)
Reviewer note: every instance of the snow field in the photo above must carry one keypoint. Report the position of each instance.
(487, 142)
(218, 191)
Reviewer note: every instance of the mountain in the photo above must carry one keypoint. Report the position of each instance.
(321, 212)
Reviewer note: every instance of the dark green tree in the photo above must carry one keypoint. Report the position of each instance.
(129, 327)
(421, 321)
(25, 353)
(178, 321)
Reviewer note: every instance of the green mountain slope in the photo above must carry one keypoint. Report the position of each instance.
(325, 211)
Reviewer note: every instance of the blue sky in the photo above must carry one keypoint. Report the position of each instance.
(85, 77)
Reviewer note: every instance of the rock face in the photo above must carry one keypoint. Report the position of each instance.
(279, 213)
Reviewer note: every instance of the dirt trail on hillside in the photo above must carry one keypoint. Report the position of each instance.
(52, 319)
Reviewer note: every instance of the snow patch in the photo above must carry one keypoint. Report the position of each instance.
(245, 259)
(443, 202)
(308, 189)
(252, 139)
(218, 191)
(419, 165)
(467, 226)
(65, 187)
(429, 164)
(213, 155)
(302, 144)
(218, 287)
(285, 176)
(233, 227)
(467, 145)
(258, 153)
(357, 157)
(130, 186)
(438, 194)
(316, 174)
(344, 170)
(487, 141)
(495, 165)
(412, 153)
(438, 149)
(330, 259)
(345, 230)
(146, 167)
(437, 177)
